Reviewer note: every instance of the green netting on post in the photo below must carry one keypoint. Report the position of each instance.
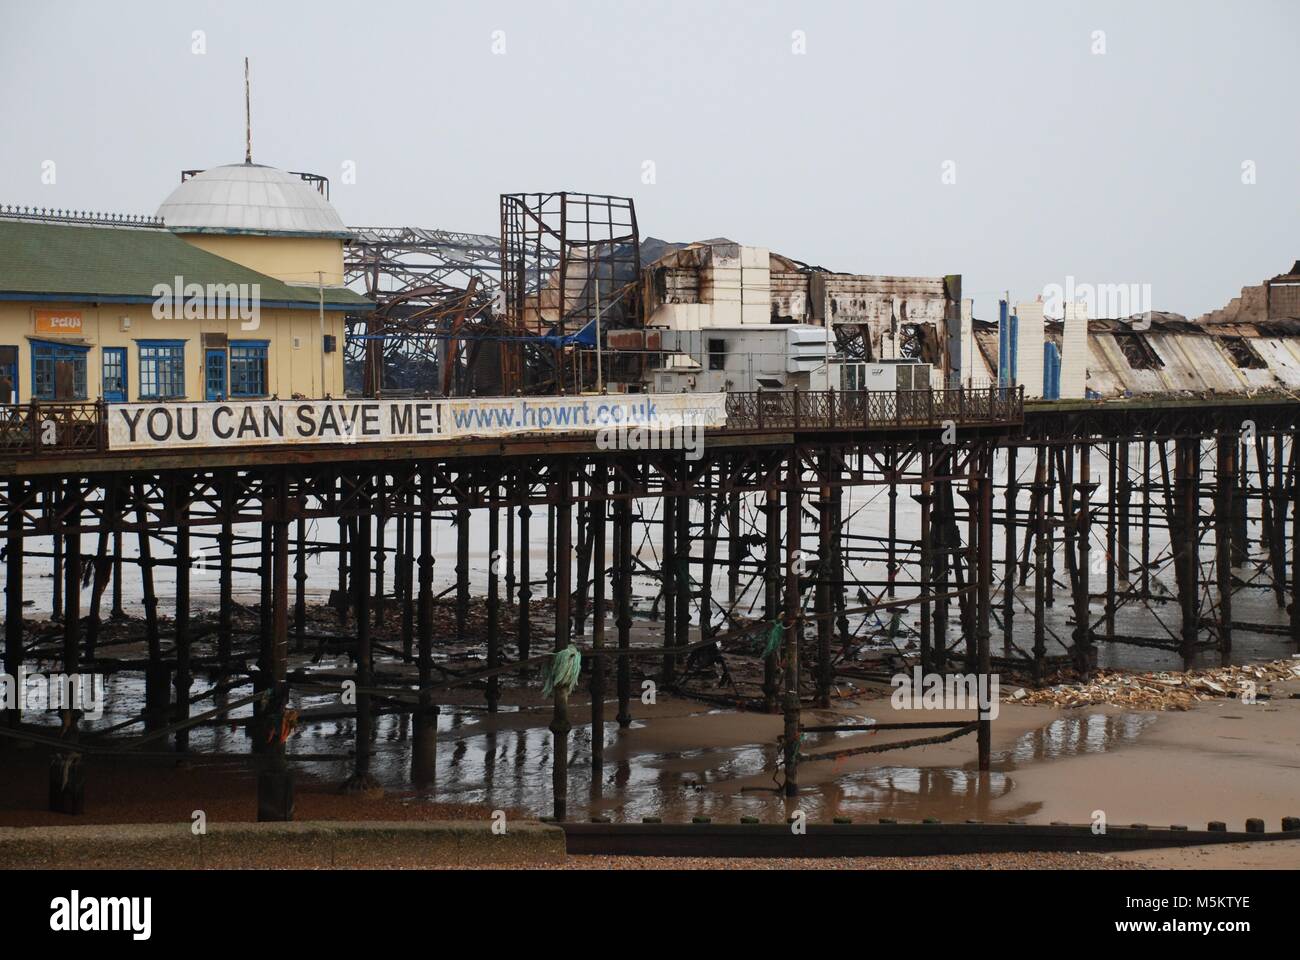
(563, 673)
(773, 640)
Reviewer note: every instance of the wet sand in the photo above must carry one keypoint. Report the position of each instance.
(170, 792)
(1267, 855)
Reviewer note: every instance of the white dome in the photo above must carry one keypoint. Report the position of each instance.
(250, 198)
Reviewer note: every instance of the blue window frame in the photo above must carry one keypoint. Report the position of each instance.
(58, 370)
(162, 369)
(248, 368)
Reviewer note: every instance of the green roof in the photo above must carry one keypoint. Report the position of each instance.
(63, 261)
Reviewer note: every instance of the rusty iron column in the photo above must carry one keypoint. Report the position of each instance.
(623, 598)
(1123, 506)
(560, 726)
(1082, 613)
(1112, 558)
(225, 576)
(983, 576)
(822, 594)
(1145, 583)
(67, 779)
(275, 794)
(793, 623)
(117, 613)
(361, 781)
(156, 695)
(345, 552)
(772, 587)
(941, 525)
(424, 757)
(493, 599)
(406, 567)
(681, 570)
(1042, 550)
(891, 570)
(668, 580)
(380, 502)
(1295, 536)
(266, 578)
(1049, 505)
(52, 496)
(510, 550)
(733, 547)
(925, 500)
(1008, 546)
(709, 540)
(1187, 466)
(597, 514)
(100, 565)
(1224, 482)
(14, 587)
(180, 492)
(524, 642)
(583, 556)
(1279, 523)
(550, 551)
(462, 558)
(300, 586)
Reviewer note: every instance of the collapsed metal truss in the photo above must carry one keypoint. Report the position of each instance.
(434, 292)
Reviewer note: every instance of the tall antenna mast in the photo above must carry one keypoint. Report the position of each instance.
(248, 119)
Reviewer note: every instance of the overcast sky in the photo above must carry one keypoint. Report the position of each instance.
(1122, 166)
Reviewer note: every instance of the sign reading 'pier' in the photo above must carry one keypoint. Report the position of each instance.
(136, 426)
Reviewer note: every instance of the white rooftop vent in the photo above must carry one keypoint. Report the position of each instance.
(248, 198)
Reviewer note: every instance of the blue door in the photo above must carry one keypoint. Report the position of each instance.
(115, 374)
(214, 375)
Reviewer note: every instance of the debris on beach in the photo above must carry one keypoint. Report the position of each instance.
(1162, 690)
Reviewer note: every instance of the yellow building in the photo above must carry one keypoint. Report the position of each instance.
(238, 296)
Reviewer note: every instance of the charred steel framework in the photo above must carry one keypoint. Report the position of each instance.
(763, 503)
(426, 285)
(460, 313)
(567, 259)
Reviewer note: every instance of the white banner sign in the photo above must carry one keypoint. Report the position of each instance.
(137, 426)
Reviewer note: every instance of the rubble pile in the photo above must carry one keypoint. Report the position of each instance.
(1163, 691)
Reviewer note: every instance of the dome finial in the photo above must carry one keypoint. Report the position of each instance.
(248, 119)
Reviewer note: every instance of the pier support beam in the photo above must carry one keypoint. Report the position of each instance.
(623, 596)
(772, 585)
(493, 600)
(275, 794)
(425, 729)
(793, 624)
(181, 518)
(524, 641)
(14, 587)
(560, 726)
(1225, 482)
(67, 776)
(983, 576)
(361, 781)
(597, 513)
